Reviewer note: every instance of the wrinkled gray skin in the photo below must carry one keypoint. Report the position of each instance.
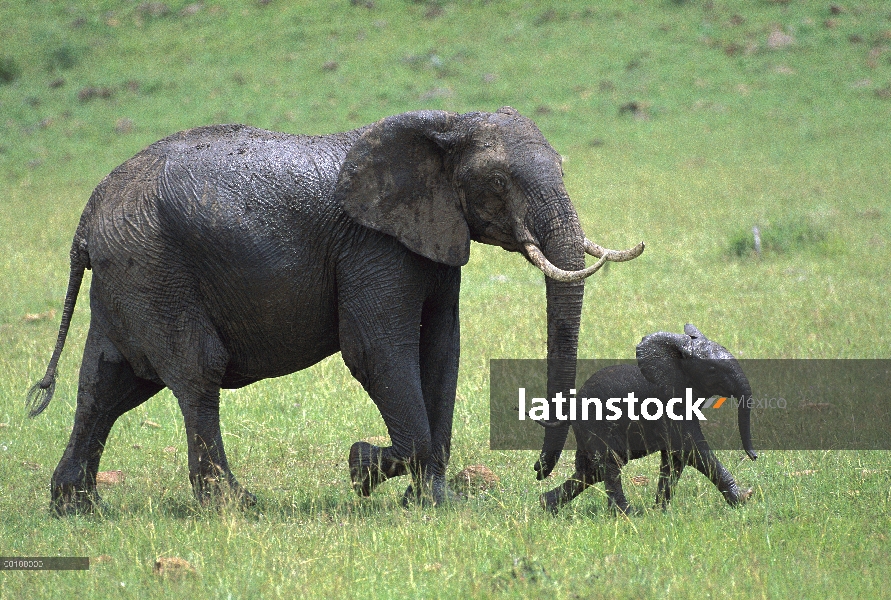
(224, 255)
(668, 364)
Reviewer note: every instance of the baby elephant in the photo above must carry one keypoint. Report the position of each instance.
(667, 365)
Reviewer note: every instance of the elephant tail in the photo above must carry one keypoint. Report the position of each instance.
(41, 393)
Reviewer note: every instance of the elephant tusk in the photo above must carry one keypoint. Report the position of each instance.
(604, 254)
(613, 255)
(555, 273)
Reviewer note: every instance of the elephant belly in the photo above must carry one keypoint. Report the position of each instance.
(275, 326)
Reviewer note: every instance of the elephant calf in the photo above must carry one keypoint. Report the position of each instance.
(668, 364)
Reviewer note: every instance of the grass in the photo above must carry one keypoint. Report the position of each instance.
(683, 124)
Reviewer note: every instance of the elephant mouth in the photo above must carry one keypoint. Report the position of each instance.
(537, 257)
(506, 243)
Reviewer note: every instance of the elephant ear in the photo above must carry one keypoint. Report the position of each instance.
(659, 357)
(691, 330)
(395, 179)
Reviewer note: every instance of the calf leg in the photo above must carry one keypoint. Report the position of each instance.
(704, 460)
(586, 474)
(669, 472)
(612, 480)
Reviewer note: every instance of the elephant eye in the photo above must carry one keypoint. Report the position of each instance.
(498, 182)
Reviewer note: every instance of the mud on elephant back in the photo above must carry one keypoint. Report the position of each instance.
(667, 365)
(224, 255)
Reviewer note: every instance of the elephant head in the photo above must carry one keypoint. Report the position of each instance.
(436, 180)
(675, 362)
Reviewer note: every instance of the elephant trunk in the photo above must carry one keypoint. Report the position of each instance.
(744, 417)
(563, 243)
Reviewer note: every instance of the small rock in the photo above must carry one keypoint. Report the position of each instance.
(474, 479)
(153, 9)
(191, 9)
(48, 315)
(638, 110)
(172, 566)
(779, 39)
(109, 478)
(801, 473)
(90, 92)
(123, 126)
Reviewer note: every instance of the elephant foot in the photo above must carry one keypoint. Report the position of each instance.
(623, 509)
(213, 492)
(365, 468)
(68, 499)
(550, 501)
(435, 492)
(743, 497)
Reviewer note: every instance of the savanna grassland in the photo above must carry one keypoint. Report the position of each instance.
(684, 124)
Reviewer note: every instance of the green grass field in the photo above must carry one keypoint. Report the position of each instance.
(684, 124)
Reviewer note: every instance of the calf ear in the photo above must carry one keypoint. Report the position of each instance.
(395, 180)
(659, 357)
(691, 330)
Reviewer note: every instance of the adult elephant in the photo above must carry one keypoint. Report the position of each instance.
(224, 255)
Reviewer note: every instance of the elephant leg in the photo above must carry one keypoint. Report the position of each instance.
(393, 381)
(586, 474)
(438, 361)
(704, 460)
(194, 374)
(612, 481)
(408, 428)
(397, 394)
(669, 472)
(107, 389)
(380, 325)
